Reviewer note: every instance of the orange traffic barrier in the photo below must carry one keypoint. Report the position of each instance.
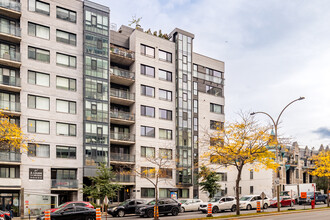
(209, 210)
(47, 215)
(156, 212)
(98, 214)
(258, 207)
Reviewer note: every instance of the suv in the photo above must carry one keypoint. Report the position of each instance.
(250, 202)
(165, 206)
(126, 207)
(220, 204)
(319, 197)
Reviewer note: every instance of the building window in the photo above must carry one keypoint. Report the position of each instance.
(38, 150)
(63, 174)
(165, 56)
(66, 60)
(38, 126)
(184, 78)
(165, 134)
(147, 172)
(9, 172)
(195, 106)
(251, 190)
(216, 125)
(223, 177)
(148, 70)
(165, 153)
(66, 37)
(148, 152)
(65, 83)
(37, 30)
(147, 51)
(36, 78)
(185, 97)
(165, 114)
(195, 124)
(66, 14)
(165, 173)
(39, 7)
(147, 131)
(165, 95)
(185, 116)
(38, 54)
(65, 129)
(251, 174)
(216, 108)
(213, 90)
(66, 152)
(147, 111)
(165, 75)
(183, 193)
(184, 59)
(65, 106)
(38, 102)
(297, 174)
(164, 193)
(147, 193)
(147, 91)
(195, 88)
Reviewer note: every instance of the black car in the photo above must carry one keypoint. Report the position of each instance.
(126, 207)
(165, 206)
(72, 213)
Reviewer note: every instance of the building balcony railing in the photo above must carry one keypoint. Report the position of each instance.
(124, 178)
(10, 81)
(64, 183)
(10, 29)
(122, 115)
(120, 136)
(122, 94)
(122, 52)
(95, 160)
(12, 56)
(206, 77)
(12, 5)
(122, 157)
(10, 157)
(122, 73)
(10, 106)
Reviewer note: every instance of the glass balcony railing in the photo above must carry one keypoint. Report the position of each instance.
(122, 115)
(122, 157)
(122, 94)
(120, 136)
(10, 81)
(95, 160)
(206, 77)
(13, 56)
(124, 178)
(64, 183)
(10, 157)
(10, 106)
(10, 30)
(122, 52)
(122, 73)
(9, 4)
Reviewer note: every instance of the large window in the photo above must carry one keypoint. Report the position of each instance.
(65, 83)
(63, 174)
(147, 131)
(65, 129)
(147, 152)
(39, 7)
(66, 37)
(9, 172)
(216, 108)
(165, 75)
(147, 70)
(147, 51)
(148, 172)
(66, 152)
(147, 111)
(213, 90)
(96, 67)
(147, 193)
(165, 56)
(216, 125)
(38, 30)
(38, 126)
(165, 114)
(165, 173)
(38, 102)
(165, 153)
(98, 134)
(183, 193)
(36, 78)
(38, 150)
(164, 193)
(96, 22)
(65, 106)
(147, 91)
(38, 54)
(66, 14)
(66, 60)
(165, 95)
(165, 134)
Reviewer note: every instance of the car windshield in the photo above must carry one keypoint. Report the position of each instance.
(153, 202)
(59, 210)
(124, 203)
(214, 200)
(245, 198)
(310, 193)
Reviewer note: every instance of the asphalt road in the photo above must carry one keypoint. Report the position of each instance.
(190, 215)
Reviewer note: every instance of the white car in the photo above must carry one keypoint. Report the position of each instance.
(250, 202)
(220, 204)
(190, 205)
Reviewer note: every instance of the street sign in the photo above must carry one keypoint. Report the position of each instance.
(263, 195)
(303, 195)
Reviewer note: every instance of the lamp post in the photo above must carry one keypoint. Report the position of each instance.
(275, 123)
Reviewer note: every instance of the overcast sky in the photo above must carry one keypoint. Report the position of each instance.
(274, 52)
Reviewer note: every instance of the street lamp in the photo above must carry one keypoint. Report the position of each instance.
(275, 123)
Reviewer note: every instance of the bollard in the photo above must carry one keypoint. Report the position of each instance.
(258, 207)
(209, 210)
(98, 214)
(47, 215)
(156, 212)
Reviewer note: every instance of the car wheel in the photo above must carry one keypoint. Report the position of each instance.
(233, 208)
(182, 209)
(215, 209)
(121, 213)
(248, 207)
(89, 218)
(175, 212)
(150, 213)
(266, 206)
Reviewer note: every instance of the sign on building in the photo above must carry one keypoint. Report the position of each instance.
(36, 174)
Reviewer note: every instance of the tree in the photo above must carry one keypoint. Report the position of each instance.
(241, 143)
(102, 184)
(322, 168)
(209, 181)
(135, 21)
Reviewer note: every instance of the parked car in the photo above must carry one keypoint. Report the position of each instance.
(284, 201)
(165, 206)
(319, 197)
(220, 204)
(190, 205)
(72, 213)
(4, 215)
(126, 207)
(250, 202)
(71, 204)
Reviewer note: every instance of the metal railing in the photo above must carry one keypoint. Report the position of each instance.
(10, 106)
(206, 77)
(122, 157)
(65, 183)
(122, 52)
(13, 56)
(122, 94)
(10, 30)
(95, 160)
(124, 178)
(123, 73)
(122, 115)
(16, 6)
(10, 81)
(122, 136)
(10, 157)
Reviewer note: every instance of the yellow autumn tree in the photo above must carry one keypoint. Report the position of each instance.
(241, 143)
(322, 167)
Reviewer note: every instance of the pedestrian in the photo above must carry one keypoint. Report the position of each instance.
(9, 208)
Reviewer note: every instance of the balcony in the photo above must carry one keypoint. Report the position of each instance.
(121, 97)
(10, 83)
(11, 183)
(121, 56)
(206, 77)
(121, 158)
(10, 8)
(122, 138)
(12, 59)
(12, 108)
(121, 77)
(125, 179)
(122, 118)
(10, 158)
(10, 33)
(95, 160)
(64, 184)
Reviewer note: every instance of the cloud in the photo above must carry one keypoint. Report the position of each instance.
(323, 132)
